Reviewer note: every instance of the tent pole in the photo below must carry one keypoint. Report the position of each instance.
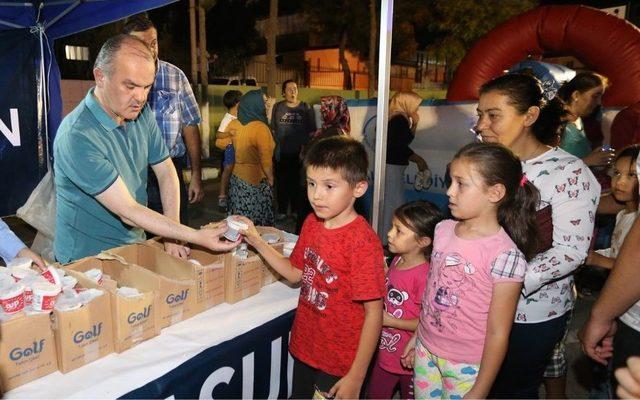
(44, 93)
(62, 14)
(384, 67)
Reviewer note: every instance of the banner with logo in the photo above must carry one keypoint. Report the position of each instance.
(22, 146)
(255, 365)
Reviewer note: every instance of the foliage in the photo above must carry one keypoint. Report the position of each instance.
(231, 35)
(451, 28)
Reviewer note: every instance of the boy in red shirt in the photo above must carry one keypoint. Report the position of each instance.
(339, 261)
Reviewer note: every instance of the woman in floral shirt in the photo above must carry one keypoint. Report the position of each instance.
(512, 111)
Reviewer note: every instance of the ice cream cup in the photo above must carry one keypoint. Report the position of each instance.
(233, 229)
(52, 275)
(20, 262)
(44, 296)
(12, 298)
(95, 275)
(20, 273)
(68, 282)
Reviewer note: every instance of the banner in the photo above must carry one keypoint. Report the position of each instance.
(22, 146)
(255, 365)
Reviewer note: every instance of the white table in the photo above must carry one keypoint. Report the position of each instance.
(119, 374)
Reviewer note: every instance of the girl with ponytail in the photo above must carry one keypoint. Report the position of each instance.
(478, 263)
(512, 111)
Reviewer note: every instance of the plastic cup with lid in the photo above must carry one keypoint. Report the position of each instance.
(20, 262)
(12, 298)
(233, 229)
(44, 296)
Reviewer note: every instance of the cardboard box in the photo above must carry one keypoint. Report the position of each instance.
(27, 350)
(135, 319)
(174, 279)
(209, 276)
(242, 278)
(83, 335)
(269, 275)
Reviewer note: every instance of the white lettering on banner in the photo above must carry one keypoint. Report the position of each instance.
(247, 376)
(274, 377)
(221, 375)
(13, 134)
(224, 375)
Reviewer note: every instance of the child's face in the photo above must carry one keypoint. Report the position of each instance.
(330, 195)
(469, 197)
(624, 181)
(403, 240)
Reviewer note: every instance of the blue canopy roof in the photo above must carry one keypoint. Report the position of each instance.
(65, 17)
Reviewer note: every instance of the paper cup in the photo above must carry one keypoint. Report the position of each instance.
(233, 229)
(28, 285)
(95, 275)
(20, 262)
(44, 296)
(20, 273)
(287, 248)
(12, 298)
(68, 282)
(52, 275)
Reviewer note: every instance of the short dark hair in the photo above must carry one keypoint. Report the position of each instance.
(285, 83)
(340, 153)
(231, 98)
(138, 23)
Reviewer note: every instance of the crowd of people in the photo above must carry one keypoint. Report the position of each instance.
(474, 302)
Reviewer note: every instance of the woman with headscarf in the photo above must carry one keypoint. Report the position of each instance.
(250, 187)
(335, 121)
(403, 120)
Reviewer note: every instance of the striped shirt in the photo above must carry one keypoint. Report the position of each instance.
(171, 99)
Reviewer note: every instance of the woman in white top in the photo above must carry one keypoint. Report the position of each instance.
(512, 111)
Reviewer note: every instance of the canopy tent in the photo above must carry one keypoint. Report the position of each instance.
(31, 107)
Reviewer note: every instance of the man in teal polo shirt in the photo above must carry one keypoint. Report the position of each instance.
(102, 151)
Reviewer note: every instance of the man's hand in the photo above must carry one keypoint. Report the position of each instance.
(596, 337)
(28, 253)
(209, 237)
(176, 249)
(346, 388)
(196, 192)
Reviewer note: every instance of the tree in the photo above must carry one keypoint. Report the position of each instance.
(451, 28)
(231, 35)
(272, 33)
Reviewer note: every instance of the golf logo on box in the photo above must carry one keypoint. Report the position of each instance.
(134, 318)
(176, 299)
(90, 335)
(17, 353)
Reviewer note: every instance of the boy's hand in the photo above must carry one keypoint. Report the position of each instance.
(251, 234)
(346, 388)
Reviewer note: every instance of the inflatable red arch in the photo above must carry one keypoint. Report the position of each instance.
(603, 42)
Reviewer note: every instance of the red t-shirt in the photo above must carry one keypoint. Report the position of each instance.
(340, 268)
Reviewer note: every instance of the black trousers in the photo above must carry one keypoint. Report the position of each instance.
(287, 174)
(626, 343)
(306, 379)
(530, 348)
(153, 190)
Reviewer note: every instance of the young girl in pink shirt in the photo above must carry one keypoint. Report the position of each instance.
(478, 264)
(410, 239)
